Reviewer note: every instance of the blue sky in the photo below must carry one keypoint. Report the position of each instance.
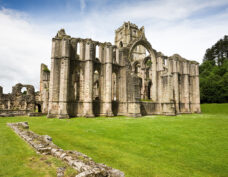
(187, 27)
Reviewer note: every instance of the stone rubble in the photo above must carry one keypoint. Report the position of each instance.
(83, 164)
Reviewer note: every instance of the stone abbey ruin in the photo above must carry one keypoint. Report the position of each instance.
(89, 78)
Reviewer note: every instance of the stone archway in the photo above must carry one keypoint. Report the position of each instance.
(143, 41)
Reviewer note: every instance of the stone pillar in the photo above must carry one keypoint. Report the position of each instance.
(117, 56)
(101, 53)
(153, 91)
(186, 87)
(108, 80)
(176, 86)
(122, 109)
(197, 90)
(82, 50)
(143, 70)
(9, 105)
(168, 105)
(54, 79)
(159, 88)
(102, 74)
(64, 80)
(82, 71)
(88, 79)
(44, 87)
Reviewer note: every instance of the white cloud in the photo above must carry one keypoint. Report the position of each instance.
(82, 5)
(25, 43)
(23, 48)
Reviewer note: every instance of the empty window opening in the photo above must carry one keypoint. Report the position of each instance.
(121, 44)
(78, 48)
(24, 91)
(97, 52)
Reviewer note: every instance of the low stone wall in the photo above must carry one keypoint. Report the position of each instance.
(36, 114)
(11, 113)
(149, 108)
(83, 164)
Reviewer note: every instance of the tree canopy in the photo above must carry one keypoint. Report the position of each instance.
(214, 73)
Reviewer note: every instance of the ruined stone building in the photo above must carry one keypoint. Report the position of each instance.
(89, 78)
(20, 102)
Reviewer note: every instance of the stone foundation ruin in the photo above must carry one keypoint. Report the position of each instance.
(84, 165)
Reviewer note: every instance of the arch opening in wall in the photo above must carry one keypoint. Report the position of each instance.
(148, 91)
(139, 53)
(137, 68)
(96, 92)
(76, 84)
(78, 49)
(115, 93)
(24, 90)
(97, 53)
(96, 85)
(121, 44)
(142, 52)
(141, 47)
(147, 65)
(38, 108)
(114, 86)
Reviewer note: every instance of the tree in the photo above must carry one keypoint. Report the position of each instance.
(218, 52)
(214, 73)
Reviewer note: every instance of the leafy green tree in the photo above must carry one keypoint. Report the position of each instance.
(214, 73)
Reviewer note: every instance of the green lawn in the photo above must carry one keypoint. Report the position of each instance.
(156, 146)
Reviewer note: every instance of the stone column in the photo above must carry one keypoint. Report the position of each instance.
(101, 53)
(64, 80)
(82, 50)
(54, 79)
(82, 71)
(153, 91)
(197, 89)
(159, 81)
(102, 73)
(143, 70)
(117, 56)
(44, 85)
(123, 92)
(108, 80)
(176, 86)
(186, 87)
(88, 79)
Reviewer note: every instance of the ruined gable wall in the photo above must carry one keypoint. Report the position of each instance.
(18, 101)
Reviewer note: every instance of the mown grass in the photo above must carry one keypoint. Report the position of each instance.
(161, 146)
(18, 159)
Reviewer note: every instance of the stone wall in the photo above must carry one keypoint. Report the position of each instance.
(18, 102)
(83, 164)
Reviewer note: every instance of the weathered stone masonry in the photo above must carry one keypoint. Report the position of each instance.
(18, 102)
(89, 78)
(84, 165)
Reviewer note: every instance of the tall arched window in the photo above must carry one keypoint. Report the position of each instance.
(114, 87)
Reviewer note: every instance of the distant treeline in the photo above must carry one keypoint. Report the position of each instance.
(214, 73)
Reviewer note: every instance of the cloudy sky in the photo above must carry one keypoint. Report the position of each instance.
(187, 27)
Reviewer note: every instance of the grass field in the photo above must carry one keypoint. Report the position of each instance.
(191, 145)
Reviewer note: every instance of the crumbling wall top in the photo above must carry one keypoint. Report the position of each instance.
(62, 34)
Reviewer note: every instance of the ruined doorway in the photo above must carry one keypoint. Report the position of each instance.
(38, 108)
(149, 90)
